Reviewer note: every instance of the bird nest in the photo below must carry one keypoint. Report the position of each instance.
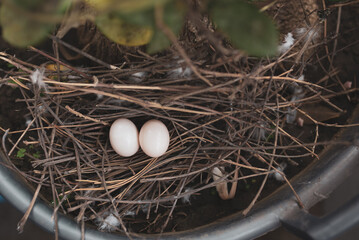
(233, 121)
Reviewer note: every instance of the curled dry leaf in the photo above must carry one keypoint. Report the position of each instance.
(221, 187)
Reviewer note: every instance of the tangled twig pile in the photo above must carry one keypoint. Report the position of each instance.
(238, 124)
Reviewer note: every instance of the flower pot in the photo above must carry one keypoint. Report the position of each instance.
(336, 162)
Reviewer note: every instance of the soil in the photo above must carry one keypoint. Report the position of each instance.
(207, 207)
(12, 113)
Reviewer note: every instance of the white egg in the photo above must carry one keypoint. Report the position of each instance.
(154, 138)
(124, 137)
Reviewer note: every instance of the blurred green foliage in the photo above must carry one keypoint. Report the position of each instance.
(26, 23)
(132, 22)
(245, 26)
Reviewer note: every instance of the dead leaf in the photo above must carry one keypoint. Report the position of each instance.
(318, 112)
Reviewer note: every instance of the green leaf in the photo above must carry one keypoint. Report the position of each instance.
(22, 25)
(21, 153)
(124, 6)
(36, 155)
(246, 27)
(140, 18)
(9, 65)
(25, 4)
(114, 27)
(57, 201)
(20, 31)
(173, 17)
(41, 6)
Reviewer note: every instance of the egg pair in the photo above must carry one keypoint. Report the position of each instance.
(153, 138)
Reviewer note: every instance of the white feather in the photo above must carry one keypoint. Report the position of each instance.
(180, 72)
(288, 42)
(109, 224)
(37, 78)
(138, 77)
(99, 96)
(312, 34)
(260, 132)
(291, 115)
(297, 95)
(276, 175)
(186, 198)
(28, 121)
